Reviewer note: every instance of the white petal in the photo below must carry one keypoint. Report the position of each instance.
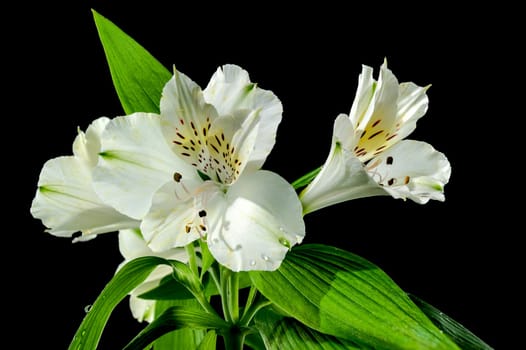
(135, 161)
(412, 105)
(66, 203)
(364, 95)
(132, 245)
(253, 226)
(341, 178)
(230, 90)
(412, 169)
(87, 145)
(165, 225)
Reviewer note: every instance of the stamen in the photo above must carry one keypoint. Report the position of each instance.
(202, 213)
(391, 181)
(177, 177)
(406, 180)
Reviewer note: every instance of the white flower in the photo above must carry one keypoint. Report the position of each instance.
(65, 200)
(132, 245)
(194, 172)
(369, 157)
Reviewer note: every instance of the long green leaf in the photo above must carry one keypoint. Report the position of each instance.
(137, 76)
(208, 342)
(341, 294)
(185, 338)
(176, 317)
(286, 333)
(460, 334)
(124, 281)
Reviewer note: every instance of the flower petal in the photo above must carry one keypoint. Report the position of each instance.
(66, 202)
(230, 90)
(412, 105)
(378, 124)
(165, 225)
(87, 145)
(412, 169)
(253, 226)
(342, 177)
(364, 95)
(135, 161)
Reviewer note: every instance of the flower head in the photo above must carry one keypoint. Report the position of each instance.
(65, 200)
(194, 172)
(369, 157)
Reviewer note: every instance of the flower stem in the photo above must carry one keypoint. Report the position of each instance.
(192, 259)
(234, 338)
(306, 179)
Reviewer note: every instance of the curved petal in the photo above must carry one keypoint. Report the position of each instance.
(170, 221)
(66, 203)
(412, 105)
(254, 225)
(341, 178)
(364, 94)
(412, 169)
(379, 121)
(133, 245)
(230, 90)
(135, 161)
(87, 145)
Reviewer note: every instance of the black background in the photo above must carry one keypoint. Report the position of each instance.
(458, 255)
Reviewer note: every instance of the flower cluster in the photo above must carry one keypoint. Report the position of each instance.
(194, 172)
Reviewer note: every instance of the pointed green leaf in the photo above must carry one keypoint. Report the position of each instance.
(124, 281)
(176, 317)
(185, 338)
(137, 76)
(460, 334)
(208, 342)
(341, 294)
(285, 333)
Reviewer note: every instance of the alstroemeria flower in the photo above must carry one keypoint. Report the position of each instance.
(194, 172)
(369, 157)
(132, 245)
(65, 200)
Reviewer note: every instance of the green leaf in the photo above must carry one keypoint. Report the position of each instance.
(208, 342)
(341, 294)
(460, 334)
(124, 281)
(185, 338)
(168, 289)
(176, 317)
(137, 76)
(254, 341)
(285, 333)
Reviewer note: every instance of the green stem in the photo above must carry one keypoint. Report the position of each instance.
(233, 296)
(250, 299)
(223, 291)
(249, 313)
(192, 259)
(234, 338)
